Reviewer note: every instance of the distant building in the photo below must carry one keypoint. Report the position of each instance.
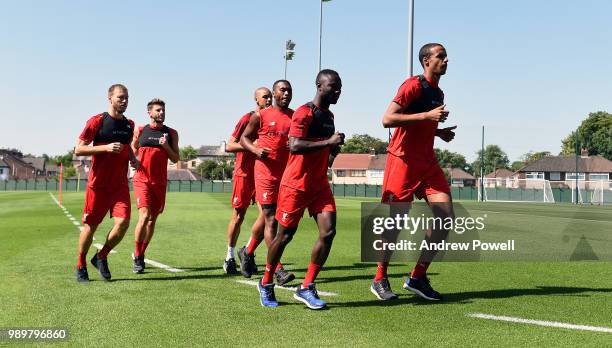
(215, 153)
(18, 168)
(4, 169)
(461, 178)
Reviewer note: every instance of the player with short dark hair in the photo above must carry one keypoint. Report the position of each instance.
(107, 185)
(154, 143)
(412, 167)
(312, 138)
(270, 127)
(243, 192)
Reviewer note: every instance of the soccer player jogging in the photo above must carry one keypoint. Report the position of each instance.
(312, 138)
(244, 183)
(154, 143)
(107, 185)
(271, 128)
(412, 168)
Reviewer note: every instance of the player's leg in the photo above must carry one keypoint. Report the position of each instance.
(233, 231)
(437, 195)
(140, 236)
(246, 254)
(95, 208)
(121, 210)
(85, 240)
(398, 187)
(275, 252)
(307, 293)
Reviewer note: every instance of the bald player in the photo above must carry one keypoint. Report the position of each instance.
(107, 186)
(243, 192)
(270, 127)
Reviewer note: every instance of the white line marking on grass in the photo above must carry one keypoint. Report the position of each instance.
(541, 216)
(76, 223)
(100, 246)
(541, 322)
(162, 266)
(293, 289)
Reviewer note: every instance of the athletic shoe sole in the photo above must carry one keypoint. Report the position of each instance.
(303, 300)
(418, 292)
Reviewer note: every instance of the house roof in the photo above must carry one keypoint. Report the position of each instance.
(52, 168)
(378, 162)
(458, 173)
(4, 164)
(352, 161)
(37, 162)
(500, 173)
(182, 174)
(591, 164)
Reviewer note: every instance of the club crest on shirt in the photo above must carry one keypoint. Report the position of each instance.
(272, 123)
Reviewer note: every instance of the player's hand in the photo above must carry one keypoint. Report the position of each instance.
(263, 152)
(439, 114)
(163, 140)
(114, 147)
(446, 134)
(336, 139)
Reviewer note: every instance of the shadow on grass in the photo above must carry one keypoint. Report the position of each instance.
(470, 296)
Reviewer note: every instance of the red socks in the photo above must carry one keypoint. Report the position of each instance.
(102, 254)
(419, 270)
(381, 271)
(140, 248)
(268, 277)
(82, 262)
(253, 244)
(311, 274)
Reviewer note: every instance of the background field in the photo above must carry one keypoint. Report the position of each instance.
(203, 306)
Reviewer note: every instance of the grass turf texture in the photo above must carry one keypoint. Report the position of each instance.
(203, 306)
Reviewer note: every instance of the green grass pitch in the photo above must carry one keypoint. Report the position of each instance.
(202, 306)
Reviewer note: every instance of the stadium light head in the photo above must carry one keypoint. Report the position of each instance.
(290, 45)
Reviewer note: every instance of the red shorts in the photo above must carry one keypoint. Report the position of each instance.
(243, 192)
(268, 176)
(405, 178)
(151, 196)
(100, 201)
(292, 203)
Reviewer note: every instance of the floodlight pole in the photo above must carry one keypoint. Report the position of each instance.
(482, 166)
(576, 172)
(320, 31)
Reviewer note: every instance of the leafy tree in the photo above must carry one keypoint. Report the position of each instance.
(66, 159)
(188, 153)
(516, 165)
(494, 158)
(206, 169)
(533, 156)
(364, 143)
(450, 159)
(70, 172)
(594, 134)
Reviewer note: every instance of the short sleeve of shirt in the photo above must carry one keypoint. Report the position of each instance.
(408, 91)
(91, 128)
(302, 117)
(241, 126)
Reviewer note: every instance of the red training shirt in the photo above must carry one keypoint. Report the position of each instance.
(245, 160)
(153, 159)
(273, 133)
(416, 140)
(108, 170)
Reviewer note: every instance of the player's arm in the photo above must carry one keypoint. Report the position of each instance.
(233, 145)
(135, 145)
(82, 148)
(250, 133)
(395, 117)
(300, 146)
(173, 148)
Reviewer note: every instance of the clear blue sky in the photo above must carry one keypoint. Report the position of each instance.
(529, 71)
